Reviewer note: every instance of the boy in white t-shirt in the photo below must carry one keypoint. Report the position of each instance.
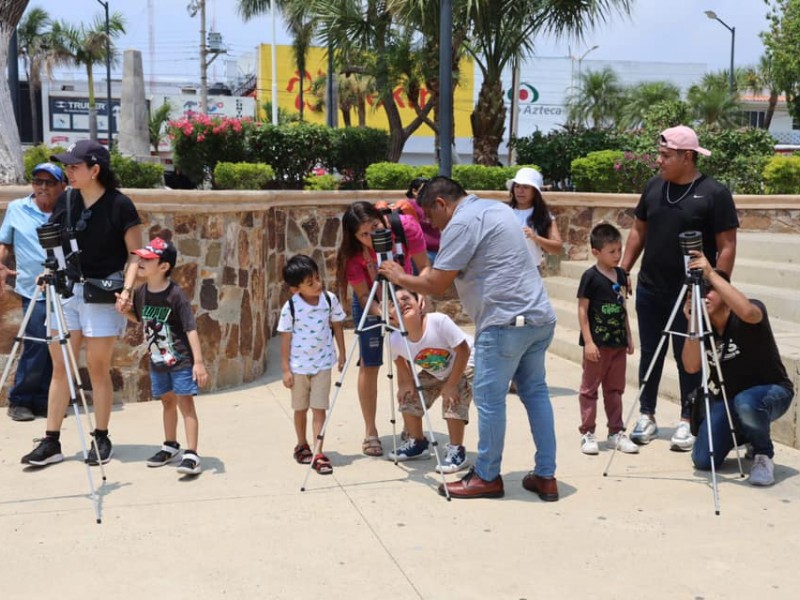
(442, 353)
(309, 322)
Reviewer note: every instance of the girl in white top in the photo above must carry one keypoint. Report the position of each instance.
(533, 215)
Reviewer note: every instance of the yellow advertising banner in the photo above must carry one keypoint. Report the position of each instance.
(289, 81)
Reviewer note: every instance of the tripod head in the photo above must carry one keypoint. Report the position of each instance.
(56, 262)
(382, 244)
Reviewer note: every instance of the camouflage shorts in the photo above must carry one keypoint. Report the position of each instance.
(432, 389)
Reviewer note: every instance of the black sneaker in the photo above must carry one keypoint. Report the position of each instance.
(48, 452)
(104, 446)
(190, 465)
(166, 455)
(17, 412)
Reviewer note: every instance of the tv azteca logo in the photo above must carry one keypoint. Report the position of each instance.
(527, 94)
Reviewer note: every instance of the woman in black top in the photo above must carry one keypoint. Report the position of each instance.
(106, 226)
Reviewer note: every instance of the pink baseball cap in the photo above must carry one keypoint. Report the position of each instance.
(682, 138)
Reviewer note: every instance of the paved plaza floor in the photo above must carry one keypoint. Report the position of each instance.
(373, 530)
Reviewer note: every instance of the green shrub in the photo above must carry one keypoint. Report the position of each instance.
(782, 175)
(242, 176)
(595, 172)
(321, 183)
(355, 149)
(37, 155)
(133, 174)
(292, 150)
(479, 177)
(390, 176)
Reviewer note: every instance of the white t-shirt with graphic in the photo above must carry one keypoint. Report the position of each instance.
(312, 347)
(435, 350)
(522, 215)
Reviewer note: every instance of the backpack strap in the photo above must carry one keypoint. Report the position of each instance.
(327, 299)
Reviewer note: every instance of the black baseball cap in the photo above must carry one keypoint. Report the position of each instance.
(87, 151)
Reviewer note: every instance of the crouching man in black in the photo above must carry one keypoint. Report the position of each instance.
(756, 384)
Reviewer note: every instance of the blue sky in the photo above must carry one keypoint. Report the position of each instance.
(657, 30)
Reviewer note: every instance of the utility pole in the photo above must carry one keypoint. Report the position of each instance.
(203, 54)
(109, 111)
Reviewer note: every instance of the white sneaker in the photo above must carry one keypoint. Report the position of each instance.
(645, 431)
(762, 470)
(625, 443)
(454, 460)
(589, 444)
(682, 440)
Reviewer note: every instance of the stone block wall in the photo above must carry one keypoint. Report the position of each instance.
(232, 247)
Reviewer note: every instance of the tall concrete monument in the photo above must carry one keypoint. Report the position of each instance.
(134, 137)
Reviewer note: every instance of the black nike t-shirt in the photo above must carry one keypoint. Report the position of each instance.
(704, 205)
(102, 243)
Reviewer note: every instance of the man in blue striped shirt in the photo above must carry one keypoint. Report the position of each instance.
(28, 396)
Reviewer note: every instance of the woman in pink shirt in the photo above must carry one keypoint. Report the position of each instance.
(357, 266)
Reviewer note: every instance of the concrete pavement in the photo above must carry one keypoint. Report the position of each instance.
(243, 529)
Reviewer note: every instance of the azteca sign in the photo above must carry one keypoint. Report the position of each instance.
(527, 94)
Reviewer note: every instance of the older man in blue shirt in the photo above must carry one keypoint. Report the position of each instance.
(28, 396)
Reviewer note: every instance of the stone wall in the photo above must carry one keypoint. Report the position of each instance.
(233, 245)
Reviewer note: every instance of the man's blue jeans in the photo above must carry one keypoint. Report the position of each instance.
(653, 310)
(34, 368)
(503, 353)
(752, 411)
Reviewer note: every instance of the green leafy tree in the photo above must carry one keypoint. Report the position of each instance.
(714, 105)
(781, 42)
(86, 45)
(156, 124)
(11, 167)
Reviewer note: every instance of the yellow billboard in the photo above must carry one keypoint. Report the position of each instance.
(289, 81)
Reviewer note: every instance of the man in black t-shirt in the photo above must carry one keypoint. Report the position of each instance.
(756, 384)
(679, 199)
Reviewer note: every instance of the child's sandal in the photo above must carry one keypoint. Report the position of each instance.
(302, 454)
(322, 465)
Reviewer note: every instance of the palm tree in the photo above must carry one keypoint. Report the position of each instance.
(761, 78)
(712, 105)
(300, 23)
(11, 170)
(39, 52)
(598, 100)
(640, 98)
(503, 30)
(86, 45)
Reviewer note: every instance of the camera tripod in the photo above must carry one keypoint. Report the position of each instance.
(699, 329)
(55, 320)
(387, 294)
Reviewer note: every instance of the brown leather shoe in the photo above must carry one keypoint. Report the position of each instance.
(545, 487)
(472, 486)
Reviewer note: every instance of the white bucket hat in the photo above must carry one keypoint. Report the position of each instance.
(527, 176)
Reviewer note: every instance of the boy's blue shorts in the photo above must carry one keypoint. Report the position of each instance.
(370, 342)
(180, 382)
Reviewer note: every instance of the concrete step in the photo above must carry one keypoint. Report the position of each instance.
(772, 247)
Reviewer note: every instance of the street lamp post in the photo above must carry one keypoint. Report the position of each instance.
(580, 65)
(712, 15)
(109, 112)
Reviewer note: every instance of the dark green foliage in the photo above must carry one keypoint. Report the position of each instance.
(291, 150)
(555, 151)
(37, 155)
(134, 174)
(355, 149)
